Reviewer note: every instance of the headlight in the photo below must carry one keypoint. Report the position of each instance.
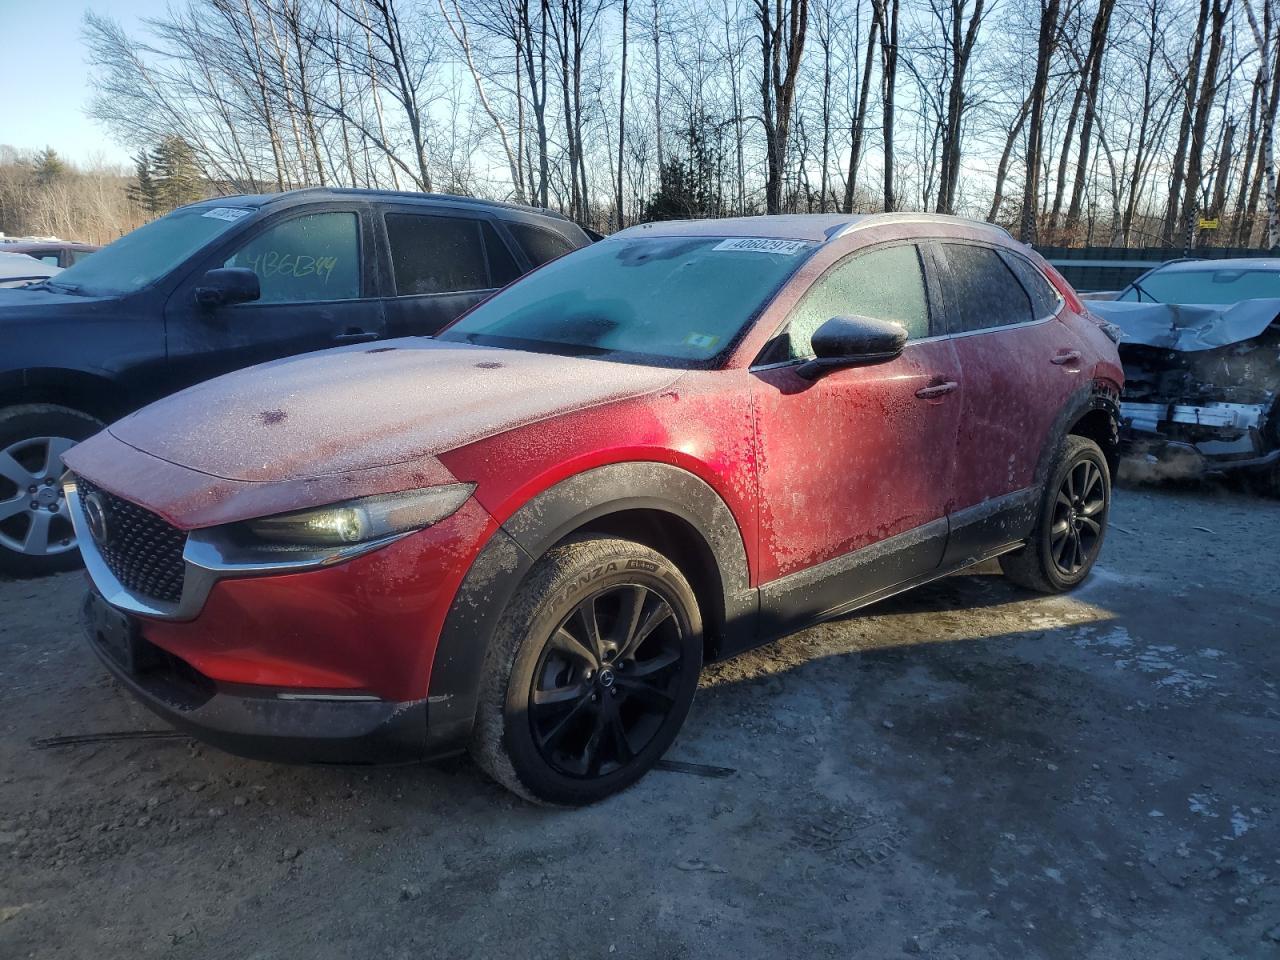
(359, 521)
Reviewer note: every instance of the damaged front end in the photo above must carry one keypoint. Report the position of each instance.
(1202, 387)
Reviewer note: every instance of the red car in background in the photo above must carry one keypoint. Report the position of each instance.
(526, 535)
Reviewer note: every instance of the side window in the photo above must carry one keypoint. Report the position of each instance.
(981, 291)
(541, 245)
(886, 284)
(502, 266)
(312, 257)
(50, 258)
(431, 254)
(1045, 298)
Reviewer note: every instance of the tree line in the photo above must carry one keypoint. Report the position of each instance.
(41, 194)
(1125, 122)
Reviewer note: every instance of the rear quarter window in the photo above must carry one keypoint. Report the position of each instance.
(539, 243)
(1045, 299)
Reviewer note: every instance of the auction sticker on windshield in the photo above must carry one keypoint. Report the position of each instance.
(231, 214)
(788, 248)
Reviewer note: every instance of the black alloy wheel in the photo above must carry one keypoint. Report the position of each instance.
(607, 680)
(590, 673)
(1079, 513)
(1071, 521)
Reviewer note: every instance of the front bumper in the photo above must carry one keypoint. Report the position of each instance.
(277, 724)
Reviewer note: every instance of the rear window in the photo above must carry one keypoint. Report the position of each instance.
(432, 254)
(541, 245)
(981, 292)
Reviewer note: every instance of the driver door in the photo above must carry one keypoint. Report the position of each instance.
(317, 292)
(855, 469)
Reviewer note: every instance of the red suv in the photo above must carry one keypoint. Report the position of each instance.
(526, 535)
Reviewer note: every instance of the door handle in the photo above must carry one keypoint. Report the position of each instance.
(355, 336)
(936, 390)
(1067, 356)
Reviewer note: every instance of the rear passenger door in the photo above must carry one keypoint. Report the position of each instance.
(440, 265)
(1016, 363)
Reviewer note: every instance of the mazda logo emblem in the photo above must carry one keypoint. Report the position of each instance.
(95, 512)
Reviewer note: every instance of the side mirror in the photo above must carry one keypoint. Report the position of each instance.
(228, 285)
(853, 342)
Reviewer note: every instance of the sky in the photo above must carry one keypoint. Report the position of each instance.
(46, 79)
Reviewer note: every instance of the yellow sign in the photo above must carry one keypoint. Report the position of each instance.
(1208, 224)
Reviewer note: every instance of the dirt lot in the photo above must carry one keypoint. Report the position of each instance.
(967, 771)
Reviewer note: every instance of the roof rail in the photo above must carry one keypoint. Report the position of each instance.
(877, 219)
(414, 195)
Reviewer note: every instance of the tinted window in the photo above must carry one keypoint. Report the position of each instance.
(313, 257)
(671, 300)
(1045, 298)
(48, 258)
(885, 284)
(981, 290)
(432, 254)
(502, 268)
(541, 245)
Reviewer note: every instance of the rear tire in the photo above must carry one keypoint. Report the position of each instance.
(35, 530)
(570, 713)
(1071, 523)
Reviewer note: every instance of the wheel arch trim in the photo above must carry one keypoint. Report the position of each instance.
(545, 520)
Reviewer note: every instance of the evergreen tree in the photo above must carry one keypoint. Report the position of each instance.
(145, 192)
(175, 173)
(48, 166)
(689, 187)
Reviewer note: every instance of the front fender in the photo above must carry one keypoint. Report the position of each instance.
(545, 520)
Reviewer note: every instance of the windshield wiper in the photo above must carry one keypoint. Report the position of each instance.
(1141, 290)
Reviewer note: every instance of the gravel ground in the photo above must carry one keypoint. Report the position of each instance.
(966, 771)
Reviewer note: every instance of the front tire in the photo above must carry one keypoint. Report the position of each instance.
(36, 537)
(1071, 523)
(590, 673)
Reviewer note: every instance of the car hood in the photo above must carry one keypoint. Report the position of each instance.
(24, 303)
(1187, 328)
(359, 407)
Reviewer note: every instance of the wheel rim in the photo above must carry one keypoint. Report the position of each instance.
(606, 681)
(1079, 518)
(34, 519)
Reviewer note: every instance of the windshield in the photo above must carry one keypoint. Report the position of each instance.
(1216, 287)
(670, 301)
(148, 253)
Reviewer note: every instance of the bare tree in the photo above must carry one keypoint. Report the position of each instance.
(783, 24)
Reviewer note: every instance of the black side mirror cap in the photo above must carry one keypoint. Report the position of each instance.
(228, 285)
(853, 342)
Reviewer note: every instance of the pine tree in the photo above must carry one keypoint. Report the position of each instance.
(689, 188)
(48, 166)
(145, 192)
(176, 175)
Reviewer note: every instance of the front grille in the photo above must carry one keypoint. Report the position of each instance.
(141, 549)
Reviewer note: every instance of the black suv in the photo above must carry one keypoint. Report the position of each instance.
(224, 284)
